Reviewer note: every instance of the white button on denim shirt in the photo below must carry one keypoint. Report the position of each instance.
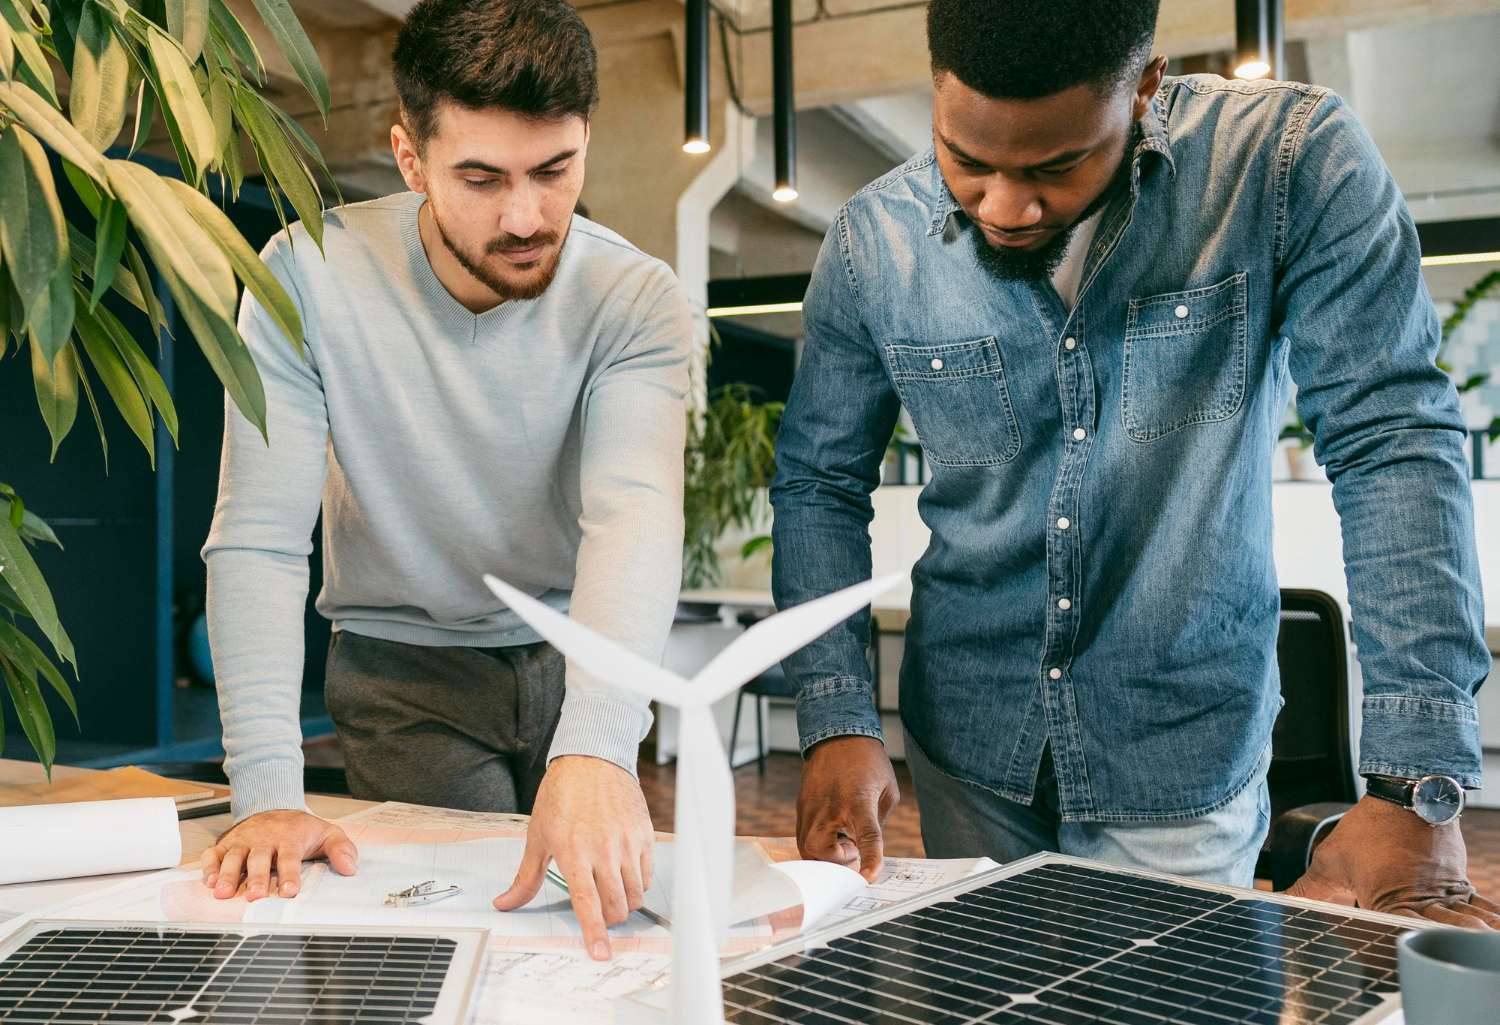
(1256, 232)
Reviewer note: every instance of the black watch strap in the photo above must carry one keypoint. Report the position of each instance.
(1389, 788)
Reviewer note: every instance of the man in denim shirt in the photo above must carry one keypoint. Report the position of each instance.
(1088, 297)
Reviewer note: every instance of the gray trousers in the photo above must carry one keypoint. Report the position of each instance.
(451, 727)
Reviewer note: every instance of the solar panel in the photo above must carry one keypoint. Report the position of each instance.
(1061, 941)
(56, 972)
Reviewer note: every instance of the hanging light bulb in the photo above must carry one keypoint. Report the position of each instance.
(785, 111)
(696, 129)
(1258, 39)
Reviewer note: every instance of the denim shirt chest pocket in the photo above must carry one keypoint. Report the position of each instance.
(957, 399)
(1185, 355)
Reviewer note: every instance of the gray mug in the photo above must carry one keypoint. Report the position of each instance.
(1450, 976)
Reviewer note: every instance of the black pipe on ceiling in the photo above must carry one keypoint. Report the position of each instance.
(785, 112)
(696, 127)
(1259, 42)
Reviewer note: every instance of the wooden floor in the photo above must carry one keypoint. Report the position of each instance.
(766, 806)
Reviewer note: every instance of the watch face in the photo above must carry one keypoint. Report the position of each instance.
(1438, 799)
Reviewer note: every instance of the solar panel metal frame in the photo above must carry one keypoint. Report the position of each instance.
(453, 1001)
(651, 1006)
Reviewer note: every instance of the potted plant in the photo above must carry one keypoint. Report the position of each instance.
(730, 460)
(191, 66)
(1475, 292)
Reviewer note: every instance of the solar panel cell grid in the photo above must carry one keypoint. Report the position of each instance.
(145, 975)
(1065, 944)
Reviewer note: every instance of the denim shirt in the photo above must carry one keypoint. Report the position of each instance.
(1100, 576)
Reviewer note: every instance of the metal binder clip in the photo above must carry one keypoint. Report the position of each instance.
(418, 894)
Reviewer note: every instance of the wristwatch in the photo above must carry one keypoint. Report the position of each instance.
(1434, 799)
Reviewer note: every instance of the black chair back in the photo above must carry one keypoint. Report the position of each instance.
(1311, 750)
(1311, 779)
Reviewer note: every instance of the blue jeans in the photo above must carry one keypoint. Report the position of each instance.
(962, 820)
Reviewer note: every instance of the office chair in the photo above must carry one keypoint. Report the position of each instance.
(1311, 780)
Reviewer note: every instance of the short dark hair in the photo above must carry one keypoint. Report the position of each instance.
(1025, 49)
(533, 57)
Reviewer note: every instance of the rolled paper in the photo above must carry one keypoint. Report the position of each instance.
(88, 838)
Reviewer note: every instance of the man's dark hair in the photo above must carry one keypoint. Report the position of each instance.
(1026, 49)
(533, 57)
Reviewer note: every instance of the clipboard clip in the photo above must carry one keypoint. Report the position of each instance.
(419, 894)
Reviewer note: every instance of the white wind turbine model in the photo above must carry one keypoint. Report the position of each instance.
(705, 788)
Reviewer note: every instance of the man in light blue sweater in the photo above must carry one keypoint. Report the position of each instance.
(491, 384)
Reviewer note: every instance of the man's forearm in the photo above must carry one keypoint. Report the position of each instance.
(1407, 518)
(819, 548)
(256, 602)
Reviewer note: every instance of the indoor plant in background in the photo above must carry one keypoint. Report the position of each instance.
(1295, 430)
(730, 460)
(192, 65)
(1475, 292)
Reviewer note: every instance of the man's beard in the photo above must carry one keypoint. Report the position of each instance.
(1016, 264)
(505, 289)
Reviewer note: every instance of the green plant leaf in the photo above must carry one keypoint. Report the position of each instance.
(221, 109)
(247, 265)
(109, 248)
(182, 101)
(7, 49)
(51, 320)
(755, 544)
(31, 709)
(8, 599)
(236, 39)
(118, 381)
(51, 127)
(12, 316)
(200, 278)
(33, 243)
(26, 656)
(25, 580)
(182, 251)
(33, 59)
(83, 259)
(145, 116)
(33, 528)
(56, 393)
(293, 41)
(88, 393)
(232, 160)
(279, 162)
(187, 20)
(100, 79)
(154, 310)
(1474, 381)
(147, 378)
(230, 360)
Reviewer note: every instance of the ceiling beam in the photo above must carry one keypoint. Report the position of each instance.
(874, 47)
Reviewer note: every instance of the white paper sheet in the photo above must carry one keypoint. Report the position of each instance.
(87, 838)
(904, 878)
(522, 986)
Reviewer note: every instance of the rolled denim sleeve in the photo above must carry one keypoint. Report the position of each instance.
(1363, 337)
(834, 433)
